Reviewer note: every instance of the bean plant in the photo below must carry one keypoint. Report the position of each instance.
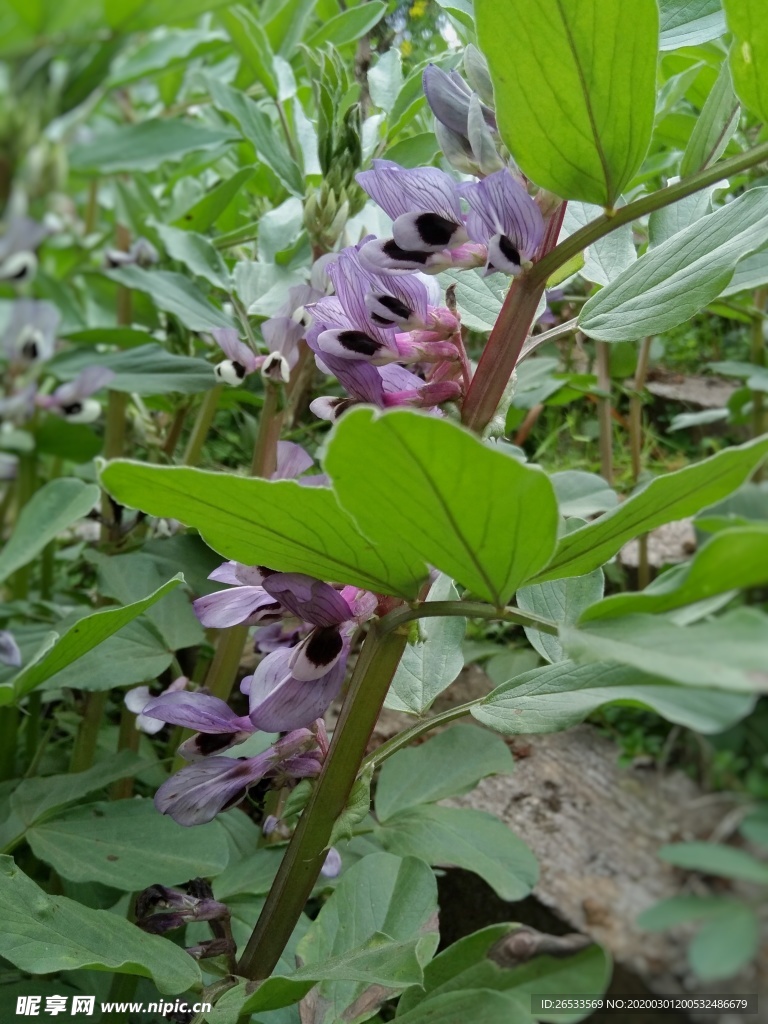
(275, 280)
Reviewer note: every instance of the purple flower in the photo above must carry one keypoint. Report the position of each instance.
(160, 909)
(215, 723)
(72, 400)
(279, 701)
(282, 335)
(22, 236)
(19, 406)
(424, 205)
(240, 361)
(30, 335)
(505, 218)
(138, 698)
(449, 96)
(142, 253)
(9, 649)
(198, 792)
(332, 864)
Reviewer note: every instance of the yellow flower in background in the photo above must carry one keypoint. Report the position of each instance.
(418, 8)
(406, 48)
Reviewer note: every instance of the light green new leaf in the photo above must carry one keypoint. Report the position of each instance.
(145, 146)
(726, 653)
(123, 843)
(689, 22)
(173, 293)
(423, 477)
(80, 638)
(146, 370)
(749, 53)
(57, 505)
(277, 523)
(450, 763)
(432, 662)
(714, 128)
(558, 696)
(729, 561)
(477, 961)
(349, 25)
(665, 499)
(45, 934)
(250, 40)
(676, 279)
(575, 89)
(464, 838)
(196, 253)
(381, 894)
(206, 211)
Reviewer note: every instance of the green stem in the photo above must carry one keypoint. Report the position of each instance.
(32, 726)
(26, 484)
(114, 443)
(636, 448)
(404, 739)
(376, 665)
(264, 460)
(121, 990)
(605, 410)
(466, 609)
(88, 734)
(9, 727)
(757, 357)
(128, 739)
(202, 425)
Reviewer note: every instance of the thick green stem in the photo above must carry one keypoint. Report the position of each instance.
(9, 727)
(202, 425)
(88, 734)
(114, 443)
(264, 460)
(405, 738)
(128, 739)
(466, 609)
(605, 410)
(26, 484)
(636, 449)
(305, 855)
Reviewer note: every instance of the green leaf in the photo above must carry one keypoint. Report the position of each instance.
(432, 662)
(716, 859)
(158, 55)
(463, 838)
(415, 151)
(349, 25)
(606, 258)
(75, 442)
(126, 844)
(135, 654)
(479, 299)
(731, 560)
(385, 473)
(145, 146)
(385, 79)
(682, 910)
(380, 894)
(724, 945)
(263, 522)
(689, 22)
(450, 763)
(714, 128)
(175, 294)
(44, 934)
(558, 696)
(582, 494)
(574, 66)
(253, 875)
(287, 26)
(250, 40)
(196, 253)
(136, 15)
(749, 53)
(674, 280)
(56, 506)
(665, 499)
(560, 601)
(80, 638)
(480, 1006)
(755, 826)
(206, 211)
(726, 653)
(481, 961)
(148, 370)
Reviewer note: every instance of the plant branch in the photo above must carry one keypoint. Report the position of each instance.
(405, 738)
(466, 609)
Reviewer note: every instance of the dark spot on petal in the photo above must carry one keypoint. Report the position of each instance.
(434, 229)
(30, 350)
(112, 856)
(394, 305)
(393, 250)
(509, 250)
(72, 409)
(239, 795)
(238, 368)
(206, 743)
(356, 341)
(323, 645)
(265, 571)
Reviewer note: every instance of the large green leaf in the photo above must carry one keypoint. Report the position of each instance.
(262, 522)
(726, 653)
(44, 934)
(478, 961)
(575, 89)
(380, 894)
(53, 508)
(558, 696)
(450, 763)
(729, 561)
(175, 294)
(145, 146)
(463, 838)
(674, 280)
(126, 844)
(481, 1006)
(423, 476)
(749, 53)
(431, 662)
(668, 497)
(80, 638)
(147, 370)
(689, 22)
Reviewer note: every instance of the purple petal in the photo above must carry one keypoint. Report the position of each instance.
(9, 649)
(385, 256)
(240, 606)
(399, 190)
(332, 865)
(238, 574)
(308, 598)
(228, 341)
(198, 711)
(30, 334)
(447, 100)
(283, 335)
(317, 654)
(198, 792)
(86, 383)
(500, 206)
(352, 282)
(292, 460)
(291, 703)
